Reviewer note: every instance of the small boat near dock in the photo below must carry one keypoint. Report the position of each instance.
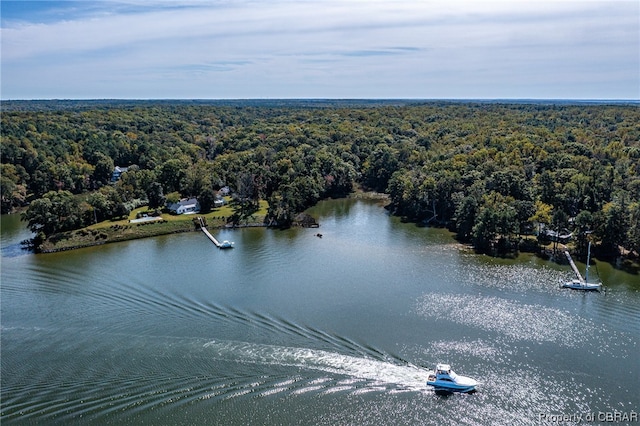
(445, 379)
(226, 244)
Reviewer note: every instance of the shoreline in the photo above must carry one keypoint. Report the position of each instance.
(127, 230)
(120, 232)
(56, 249)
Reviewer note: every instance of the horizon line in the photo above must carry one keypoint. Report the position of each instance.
(406, 99)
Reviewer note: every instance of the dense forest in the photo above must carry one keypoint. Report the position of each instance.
(491, 172)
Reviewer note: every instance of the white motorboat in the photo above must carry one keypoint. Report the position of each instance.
(444, 378)
(580, 283)
(226, 244)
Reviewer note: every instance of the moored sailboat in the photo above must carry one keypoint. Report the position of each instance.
(580, 283)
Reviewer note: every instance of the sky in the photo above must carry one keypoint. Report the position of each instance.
(343, 49)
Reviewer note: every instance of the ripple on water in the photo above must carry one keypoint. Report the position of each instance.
(136, 374)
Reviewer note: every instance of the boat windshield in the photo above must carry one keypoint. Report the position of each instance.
(449, 373)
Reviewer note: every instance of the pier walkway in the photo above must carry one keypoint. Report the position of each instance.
(203, 228)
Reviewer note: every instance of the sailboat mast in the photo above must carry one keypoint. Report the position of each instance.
(586, 278)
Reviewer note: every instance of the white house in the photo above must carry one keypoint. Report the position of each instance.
(185, 206)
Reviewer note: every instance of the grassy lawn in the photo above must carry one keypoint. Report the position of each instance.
(121, 230)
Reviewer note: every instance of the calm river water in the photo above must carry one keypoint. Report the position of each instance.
(289, 328)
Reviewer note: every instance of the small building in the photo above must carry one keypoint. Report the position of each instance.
(117, 172)
(185, 206)
(218, 202)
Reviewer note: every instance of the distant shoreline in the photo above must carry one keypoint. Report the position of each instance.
(81, 104)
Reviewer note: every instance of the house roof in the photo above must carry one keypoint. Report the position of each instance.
(187, 201)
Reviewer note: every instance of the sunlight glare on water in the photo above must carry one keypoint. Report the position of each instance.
(515, 320)
(520, 278)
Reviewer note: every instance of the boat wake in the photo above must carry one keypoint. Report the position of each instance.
(378, 373)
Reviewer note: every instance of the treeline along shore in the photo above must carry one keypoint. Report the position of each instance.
(502, 176)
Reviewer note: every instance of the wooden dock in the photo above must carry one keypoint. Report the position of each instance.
(213, 239)
(573, 266)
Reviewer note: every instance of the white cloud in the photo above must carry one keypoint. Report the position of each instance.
(318, 48)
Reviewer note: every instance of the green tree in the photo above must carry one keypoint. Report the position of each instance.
(379, 167)
(207, 199)
(613, 226)
(172, 174)
(583, 225)
(485, 229)
(108, 203)
(42, 179)
(633, 233)
(7, 188)
(542, 216)
(103, 169)
(547, 188)
(495, 224)
(56, 211)
(524, 210)
(101, 205)
(280, 213)
(135, 183)
(155, 195)
(559, 222)
(13, 192)
(403, 193)
(465, 218)
(173, 197)
(246, 197)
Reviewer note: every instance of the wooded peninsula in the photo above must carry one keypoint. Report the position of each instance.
(496, 174)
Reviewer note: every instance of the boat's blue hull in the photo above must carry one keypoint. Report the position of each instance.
(451, 387)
